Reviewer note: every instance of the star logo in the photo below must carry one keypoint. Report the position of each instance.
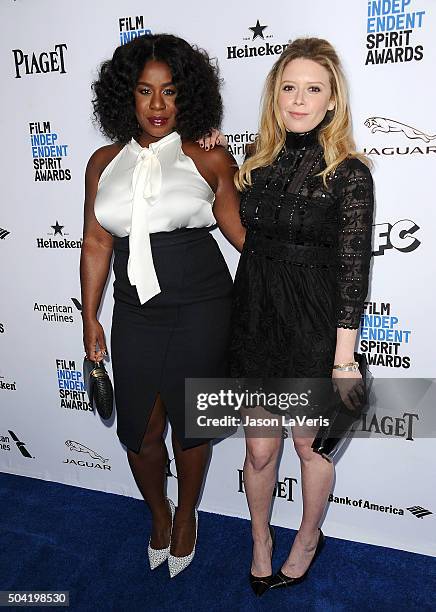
(58, 228)
(258, 30)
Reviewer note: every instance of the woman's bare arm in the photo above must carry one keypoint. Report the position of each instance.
(95, 259)
(218, 168)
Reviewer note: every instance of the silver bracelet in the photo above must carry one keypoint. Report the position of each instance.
(347, 367)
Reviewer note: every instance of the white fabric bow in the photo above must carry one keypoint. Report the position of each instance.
(146, 185)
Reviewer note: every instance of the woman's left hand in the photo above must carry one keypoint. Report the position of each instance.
(350, 388)
(210, 140)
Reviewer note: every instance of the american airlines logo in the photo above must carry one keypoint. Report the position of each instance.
(6, 444)
(20, 445)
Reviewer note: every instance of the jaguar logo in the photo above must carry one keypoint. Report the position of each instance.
(81, 448)
(383, 124)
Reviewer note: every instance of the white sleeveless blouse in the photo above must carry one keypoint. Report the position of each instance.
(151, 189)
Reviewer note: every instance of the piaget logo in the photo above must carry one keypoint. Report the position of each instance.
(40, 63)
(284, 489)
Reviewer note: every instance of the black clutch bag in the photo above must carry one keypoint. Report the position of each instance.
(330, 438)
(99, 387)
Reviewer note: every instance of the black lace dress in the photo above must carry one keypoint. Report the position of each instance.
(304, 268)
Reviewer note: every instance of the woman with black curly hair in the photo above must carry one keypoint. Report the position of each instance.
(148, 200)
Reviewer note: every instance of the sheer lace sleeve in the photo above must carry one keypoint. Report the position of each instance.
(356, 202)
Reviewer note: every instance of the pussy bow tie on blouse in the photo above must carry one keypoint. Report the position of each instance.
(146, 185)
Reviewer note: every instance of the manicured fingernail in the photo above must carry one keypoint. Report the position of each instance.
(207, 148)
(201, 145)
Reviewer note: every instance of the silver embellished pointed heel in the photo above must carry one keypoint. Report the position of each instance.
(157, 556)
(178, 564)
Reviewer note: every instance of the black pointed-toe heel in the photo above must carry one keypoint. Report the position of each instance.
(280, 580)
(260, 584)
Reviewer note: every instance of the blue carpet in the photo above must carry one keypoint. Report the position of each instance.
(93, 544)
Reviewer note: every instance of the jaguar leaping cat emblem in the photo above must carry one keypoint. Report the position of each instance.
(383, 124)
(81, 448)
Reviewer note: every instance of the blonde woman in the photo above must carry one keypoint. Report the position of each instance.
(307, 203)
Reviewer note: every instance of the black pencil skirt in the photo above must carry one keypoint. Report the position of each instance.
(183, 332)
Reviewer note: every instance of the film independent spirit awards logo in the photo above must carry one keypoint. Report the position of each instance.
(385, 341)
(391, 27)
(11, 441)
(260, 36)
(132, 27)
(49, 154)
(89, 458)
(71, 386)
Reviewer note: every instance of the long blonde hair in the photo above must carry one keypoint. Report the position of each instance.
(335, 136)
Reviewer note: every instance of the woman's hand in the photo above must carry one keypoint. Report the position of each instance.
(94, 340)
(350, 388)
(210, 140)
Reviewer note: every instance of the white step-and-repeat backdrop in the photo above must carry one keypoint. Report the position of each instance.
(385, 489)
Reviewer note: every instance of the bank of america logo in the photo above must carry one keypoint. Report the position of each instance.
(419, 511)
(3, 233)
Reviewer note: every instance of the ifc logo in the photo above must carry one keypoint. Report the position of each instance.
(397, 236)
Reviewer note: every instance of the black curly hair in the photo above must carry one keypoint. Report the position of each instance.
(195, 75)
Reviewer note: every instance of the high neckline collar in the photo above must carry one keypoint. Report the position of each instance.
(304, 140)
(155, 146)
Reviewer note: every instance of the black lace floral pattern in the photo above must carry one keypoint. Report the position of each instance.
(304, 268)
